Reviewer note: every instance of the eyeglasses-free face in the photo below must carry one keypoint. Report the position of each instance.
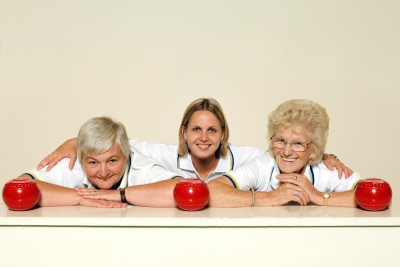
(106, 169)
(203, 135)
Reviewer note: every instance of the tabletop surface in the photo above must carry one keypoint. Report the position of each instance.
(132, 216)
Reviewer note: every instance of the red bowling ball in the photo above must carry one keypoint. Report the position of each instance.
(373, 194)
(191, 194)
(20, 194)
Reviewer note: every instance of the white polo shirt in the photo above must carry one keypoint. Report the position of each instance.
(261, 174)
(183, 166)
(140, 170)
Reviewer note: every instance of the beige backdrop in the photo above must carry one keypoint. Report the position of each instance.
(142, 62)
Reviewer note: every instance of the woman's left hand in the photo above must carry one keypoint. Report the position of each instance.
(303, 182)
(331, 162)
(91, 193)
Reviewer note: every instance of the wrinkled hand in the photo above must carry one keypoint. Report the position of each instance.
(100, 203)
(66, 150)
(302, 182)
(91, 193)
(331, 163)
(287, 192)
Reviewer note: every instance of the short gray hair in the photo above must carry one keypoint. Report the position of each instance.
(99, 134)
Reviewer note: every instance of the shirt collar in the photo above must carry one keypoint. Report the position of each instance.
(309, 173)
(225, 164)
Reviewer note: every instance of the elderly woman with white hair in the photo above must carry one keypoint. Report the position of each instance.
(298, 132)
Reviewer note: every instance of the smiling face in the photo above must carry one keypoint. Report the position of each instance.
(290, 161)
(106, 169)
(203, 135)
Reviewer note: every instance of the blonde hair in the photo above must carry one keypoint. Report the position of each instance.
(99, 134)
(306, 113)
(215, 108)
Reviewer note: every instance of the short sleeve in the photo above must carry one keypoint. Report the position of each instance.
(145, 170)
(255, 174)
(60, 175)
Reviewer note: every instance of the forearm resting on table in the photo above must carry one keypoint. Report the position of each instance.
(224, 195)
(54, 195)
(341, 199)
(158, 194)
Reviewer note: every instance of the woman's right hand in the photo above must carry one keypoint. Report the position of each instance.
(301, 181)
(66, 150)
(287, 192)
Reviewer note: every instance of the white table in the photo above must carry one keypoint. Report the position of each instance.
(137, 236)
